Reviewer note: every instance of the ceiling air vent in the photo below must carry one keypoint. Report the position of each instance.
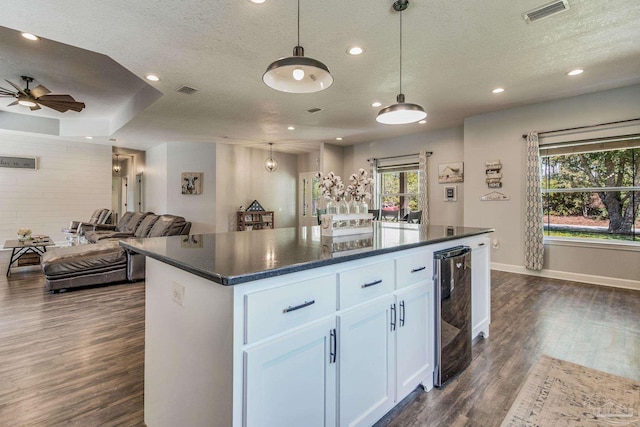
(186, 90)
(314, 110)
(546, 10)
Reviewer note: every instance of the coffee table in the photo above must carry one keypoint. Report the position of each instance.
(19, 249)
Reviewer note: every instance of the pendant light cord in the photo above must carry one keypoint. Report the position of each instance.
(400, 51)
(298, 22)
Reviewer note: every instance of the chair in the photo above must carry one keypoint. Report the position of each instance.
(390, 214)
(320, 212)
(376, 213)
(414, 217)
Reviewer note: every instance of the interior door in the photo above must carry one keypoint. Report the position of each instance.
(308, 199)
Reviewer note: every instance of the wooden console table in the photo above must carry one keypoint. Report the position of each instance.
(19, 249)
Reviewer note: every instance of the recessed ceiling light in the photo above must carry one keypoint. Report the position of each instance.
(338, 139)
(291, 128)
(376, 104)
(421, 122)
(88, 137)
(497, 90)
(257, 1)
(153, 77)
(575, 72)
(355, 50)
(30, 36)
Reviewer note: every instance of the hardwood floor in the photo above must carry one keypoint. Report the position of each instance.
(76, 359)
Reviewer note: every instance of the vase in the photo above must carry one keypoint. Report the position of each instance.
(331, 207)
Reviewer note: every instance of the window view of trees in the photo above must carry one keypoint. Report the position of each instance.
(398, 194)
(592, 194)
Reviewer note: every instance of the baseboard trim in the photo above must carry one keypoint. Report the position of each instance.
(574, 277)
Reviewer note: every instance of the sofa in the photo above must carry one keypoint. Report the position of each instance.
(102, 260)
(100, 216)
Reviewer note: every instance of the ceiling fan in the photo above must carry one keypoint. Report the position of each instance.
(39, 95)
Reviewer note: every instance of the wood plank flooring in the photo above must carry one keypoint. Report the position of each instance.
(76, 359)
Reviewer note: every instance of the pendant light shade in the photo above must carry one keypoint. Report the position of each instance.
(401, 112)
(297, 73)
(271, 164)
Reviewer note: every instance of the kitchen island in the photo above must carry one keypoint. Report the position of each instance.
(286, 327)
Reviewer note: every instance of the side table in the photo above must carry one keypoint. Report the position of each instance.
(20, 249)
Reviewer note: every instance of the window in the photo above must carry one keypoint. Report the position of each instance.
(398, 193)
(591, 189)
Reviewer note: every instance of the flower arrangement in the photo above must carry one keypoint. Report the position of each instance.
(360, 182)
(331, 186)
(24, 233)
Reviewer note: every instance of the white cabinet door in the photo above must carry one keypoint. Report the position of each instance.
(365, 362)
(291, 380)
(480, 288)
(414, 339)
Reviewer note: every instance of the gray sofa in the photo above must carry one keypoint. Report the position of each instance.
(103, 260)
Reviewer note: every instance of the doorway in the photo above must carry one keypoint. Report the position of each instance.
(308, 199)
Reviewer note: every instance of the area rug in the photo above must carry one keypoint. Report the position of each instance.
(560, 393)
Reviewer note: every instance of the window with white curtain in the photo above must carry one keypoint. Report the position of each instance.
(591, 188)
(398, 189)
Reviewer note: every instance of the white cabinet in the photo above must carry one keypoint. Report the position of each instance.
(290, 381)
(365, 363)
(480, 287)
(414, 339)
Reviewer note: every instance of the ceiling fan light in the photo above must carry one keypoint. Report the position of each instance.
(283, 74)
(26, 102)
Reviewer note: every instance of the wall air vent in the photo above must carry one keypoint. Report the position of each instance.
(314, 110)
(546, 10)
(186, 90)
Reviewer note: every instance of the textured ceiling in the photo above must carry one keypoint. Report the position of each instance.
(455, 53)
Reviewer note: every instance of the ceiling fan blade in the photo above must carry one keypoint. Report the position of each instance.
(62, 106)
(18, 88)
(7, 92)
(13, 103)
(36, 107)
(39, 91)
(57, 98)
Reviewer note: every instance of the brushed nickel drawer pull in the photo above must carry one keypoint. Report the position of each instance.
(415, 270)
(366, 285)
(298, 307)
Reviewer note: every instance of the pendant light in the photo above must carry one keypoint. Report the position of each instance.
(297, 73)
(401, 112)
(271, 164)
(116, 168)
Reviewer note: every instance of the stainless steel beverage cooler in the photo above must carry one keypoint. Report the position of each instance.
(452, 269)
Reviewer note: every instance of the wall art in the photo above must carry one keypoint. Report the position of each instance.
(450, 172)
(191, 182)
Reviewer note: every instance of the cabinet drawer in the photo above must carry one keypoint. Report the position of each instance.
(275, 310)
(414, 268)
(364, 283)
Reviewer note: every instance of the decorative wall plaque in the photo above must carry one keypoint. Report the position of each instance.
(18, 162)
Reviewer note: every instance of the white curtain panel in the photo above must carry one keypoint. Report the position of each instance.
(533, 233)
(373, 174)
(423, 195)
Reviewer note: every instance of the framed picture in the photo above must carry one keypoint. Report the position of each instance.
(191, 183)
(450, 172)
(192, 241)
(450, 193)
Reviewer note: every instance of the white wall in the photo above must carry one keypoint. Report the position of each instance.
(309, 162)
(332, 160)
(446, 145)
(242, 178)
(197, 208)
(155, 176)
(72, 180)
(498, 136)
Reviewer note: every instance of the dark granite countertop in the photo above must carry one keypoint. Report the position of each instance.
(243, 256)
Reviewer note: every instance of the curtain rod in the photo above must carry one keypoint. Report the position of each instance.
(524, 136)
(429, 153)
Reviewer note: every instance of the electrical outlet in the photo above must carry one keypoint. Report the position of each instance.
(177, 293)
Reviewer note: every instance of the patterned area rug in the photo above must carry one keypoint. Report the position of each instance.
(559, 393)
